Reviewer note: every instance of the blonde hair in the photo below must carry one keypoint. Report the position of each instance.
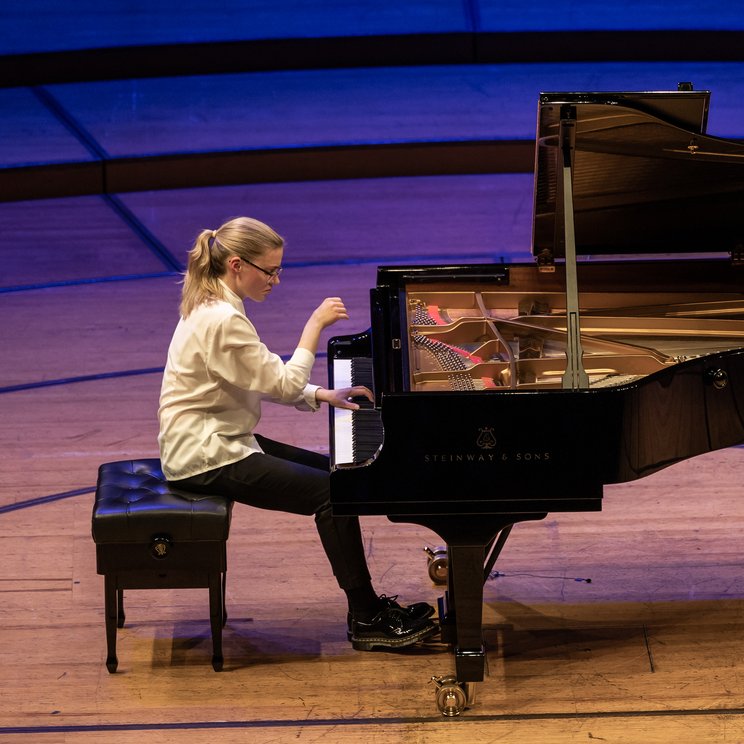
(243, 237)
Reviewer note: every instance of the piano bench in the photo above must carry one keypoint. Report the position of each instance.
(149, 535)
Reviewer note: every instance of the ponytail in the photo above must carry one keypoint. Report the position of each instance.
(201, 281)
(243, 237)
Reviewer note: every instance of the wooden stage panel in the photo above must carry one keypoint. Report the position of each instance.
(31, 134)
(55, 438)
(100, 328)
(311, 108)
(40, 25)
(61, 240)
(304, 108)
(368, 220)
(511, 15)
(272, 109)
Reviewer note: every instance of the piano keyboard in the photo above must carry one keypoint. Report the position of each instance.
(356, 435)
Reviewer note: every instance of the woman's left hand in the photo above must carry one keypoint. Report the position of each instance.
(341, 398)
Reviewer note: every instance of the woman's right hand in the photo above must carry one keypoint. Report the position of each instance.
(329, 311)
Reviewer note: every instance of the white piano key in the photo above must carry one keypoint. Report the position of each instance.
(342, 433)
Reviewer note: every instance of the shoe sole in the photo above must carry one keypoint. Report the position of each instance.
(382, 642)
(350, 635)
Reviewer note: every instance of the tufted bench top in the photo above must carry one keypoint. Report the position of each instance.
(134, 501)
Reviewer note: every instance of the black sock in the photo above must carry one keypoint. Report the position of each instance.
(364, 604)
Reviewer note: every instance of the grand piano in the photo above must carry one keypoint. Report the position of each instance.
(504, 392)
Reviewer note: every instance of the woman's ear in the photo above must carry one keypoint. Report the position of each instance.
(233, 264)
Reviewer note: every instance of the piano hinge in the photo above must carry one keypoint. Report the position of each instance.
(396, 343)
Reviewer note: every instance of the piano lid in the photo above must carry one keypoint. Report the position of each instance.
(646, 177)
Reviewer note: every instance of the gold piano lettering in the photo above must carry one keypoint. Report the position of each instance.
(487, 457)
(532, 456)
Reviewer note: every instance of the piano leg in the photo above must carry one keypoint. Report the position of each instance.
(461, 615)
(465, 600)
(472, 549)
(471, 554)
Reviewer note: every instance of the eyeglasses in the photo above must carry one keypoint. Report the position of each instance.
(273, 274)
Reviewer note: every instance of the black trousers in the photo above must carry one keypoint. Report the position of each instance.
(289, 479)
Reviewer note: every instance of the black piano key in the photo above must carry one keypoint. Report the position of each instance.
(366, 424)
(361, 371)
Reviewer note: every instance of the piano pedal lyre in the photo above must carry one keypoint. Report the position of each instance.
(438, 564)
(453, 697)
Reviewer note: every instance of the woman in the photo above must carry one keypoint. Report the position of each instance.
(217, 374)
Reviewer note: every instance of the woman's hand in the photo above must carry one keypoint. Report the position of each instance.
(329, 311)
(341, 398)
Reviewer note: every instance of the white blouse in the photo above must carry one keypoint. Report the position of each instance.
(215, 378)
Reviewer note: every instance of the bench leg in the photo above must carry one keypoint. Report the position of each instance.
(224, 599)
(216, 614)
(120, 607)
(111, 602)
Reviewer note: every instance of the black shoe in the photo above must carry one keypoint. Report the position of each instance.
(415, 611)
(391, 628)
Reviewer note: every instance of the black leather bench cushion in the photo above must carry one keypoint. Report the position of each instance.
(134, 502)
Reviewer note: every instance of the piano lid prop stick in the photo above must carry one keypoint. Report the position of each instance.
(575, 376)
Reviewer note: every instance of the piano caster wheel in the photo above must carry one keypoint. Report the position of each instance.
(438, 564)
(453, 697)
